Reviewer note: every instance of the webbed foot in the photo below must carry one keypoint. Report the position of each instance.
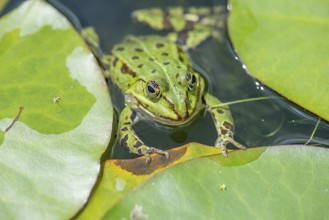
(145, 150)
(222, 142)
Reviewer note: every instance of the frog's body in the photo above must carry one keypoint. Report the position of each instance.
(159, 82)
(139, 61)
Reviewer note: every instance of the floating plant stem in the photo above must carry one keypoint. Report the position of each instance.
(314, 130)
(15, 119)
(245, 100)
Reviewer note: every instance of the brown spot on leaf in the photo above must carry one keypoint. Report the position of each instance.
(138, 166)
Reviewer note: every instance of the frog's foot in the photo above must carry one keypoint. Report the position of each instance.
(222, 142)
(145, 150)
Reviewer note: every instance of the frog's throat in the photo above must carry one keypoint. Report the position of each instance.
(164, 120)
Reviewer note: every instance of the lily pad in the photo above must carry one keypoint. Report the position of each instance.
(284, 45)
(49, 158)
(284, 182)
(120, 177)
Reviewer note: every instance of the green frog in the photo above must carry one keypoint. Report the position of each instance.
(159, 82)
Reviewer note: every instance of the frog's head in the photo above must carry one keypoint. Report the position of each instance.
(173, 101)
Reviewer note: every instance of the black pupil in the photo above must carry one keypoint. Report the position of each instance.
(193, 80)
(150, 89)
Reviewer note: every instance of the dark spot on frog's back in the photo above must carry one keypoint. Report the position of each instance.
(165, 54)
(140, 65)
(159, 45)
(151, 59)
(166, 63)
(180, 57)
(138, 49)
(177, 75)
(120, 49)
(126, 70)
(135, 58)
(220, 111)
(153, 71)
(139, 167)
(228, 125)
(115, 61)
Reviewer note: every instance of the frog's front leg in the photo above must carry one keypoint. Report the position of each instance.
(128, 138)
(223, 122)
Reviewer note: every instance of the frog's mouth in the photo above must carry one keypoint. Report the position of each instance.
(169, 121)
(181, 119)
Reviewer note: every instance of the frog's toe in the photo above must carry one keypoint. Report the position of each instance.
(146, 151)
(148, 158)
(237, 144)
(161, 152)
(166, 154)
(222, 142)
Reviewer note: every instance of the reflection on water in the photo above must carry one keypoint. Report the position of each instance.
(258, 123)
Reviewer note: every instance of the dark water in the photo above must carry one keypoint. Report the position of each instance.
(258, 123)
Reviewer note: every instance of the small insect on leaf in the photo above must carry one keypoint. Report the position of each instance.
(56, 99)
(222, 187)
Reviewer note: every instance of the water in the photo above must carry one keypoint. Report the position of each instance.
(262, 123)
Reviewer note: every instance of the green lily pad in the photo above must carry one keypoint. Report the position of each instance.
(120, 177)
(284, 182)
(284, 45)
(49, 158)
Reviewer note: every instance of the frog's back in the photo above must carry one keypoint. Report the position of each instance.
(145, 58)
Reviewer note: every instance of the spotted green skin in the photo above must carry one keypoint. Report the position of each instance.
(137, 60)
(191, 26)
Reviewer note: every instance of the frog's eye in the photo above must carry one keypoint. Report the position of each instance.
(153, 90)
(191, 79)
